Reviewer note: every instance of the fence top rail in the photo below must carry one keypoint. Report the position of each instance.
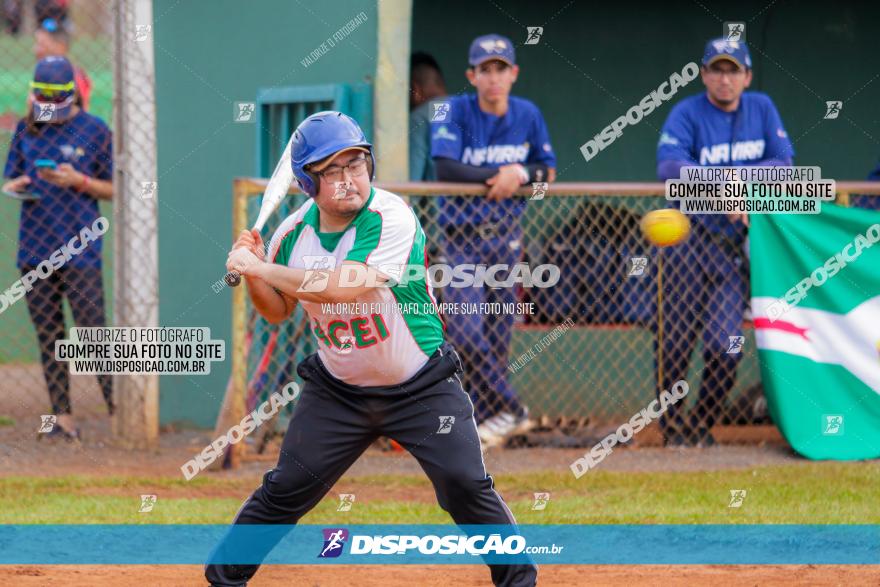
(255, 185)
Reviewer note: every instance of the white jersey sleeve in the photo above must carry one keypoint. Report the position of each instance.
(385, 236)
(278, 250)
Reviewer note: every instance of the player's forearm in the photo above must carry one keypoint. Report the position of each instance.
(266, 300)
(310, 285)
(449, 170)
(540, 172)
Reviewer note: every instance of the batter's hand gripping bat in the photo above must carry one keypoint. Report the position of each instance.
(279, 184)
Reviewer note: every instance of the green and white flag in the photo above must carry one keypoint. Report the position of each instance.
(816, 309)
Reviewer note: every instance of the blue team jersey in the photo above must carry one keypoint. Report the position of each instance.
(700, 133)
(474, 137)
(85, 142)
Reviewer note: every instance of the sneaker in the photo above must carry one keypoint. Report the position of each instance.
(493, 431)
(488, 432)
(522, 423)
(59, 433)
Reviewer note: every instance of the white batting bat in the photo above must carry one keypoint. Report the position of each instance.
(277, 188)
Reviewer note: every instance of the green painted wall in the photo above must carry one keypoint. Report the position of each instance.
(206, 60)
(594, 61)
(597, 59)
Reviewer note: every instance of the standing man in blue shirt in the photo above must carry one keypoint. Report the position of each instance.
(706, 277)
(502, 141)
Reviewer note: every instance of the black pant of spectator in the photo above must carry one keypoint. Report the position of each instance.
(706, 288)
(84, 291)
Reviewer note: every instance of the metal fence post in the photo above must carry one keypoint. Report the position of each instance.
(136, 283)
(233, 407)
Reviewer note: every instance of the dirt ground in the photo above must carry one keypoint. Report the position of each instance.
(22, 454)
(445, 575)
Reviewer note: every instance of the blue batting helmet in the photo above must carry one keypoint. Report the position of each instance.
(319, 136)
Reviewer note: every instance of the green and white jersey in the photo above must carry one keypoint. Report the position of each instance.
(387, 334)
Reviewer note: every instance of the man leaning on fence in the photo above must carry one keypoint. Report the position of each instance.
(502, 141)
(705, 278)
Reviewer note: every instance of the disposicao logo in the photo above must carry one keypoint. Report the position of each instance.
(334, 540)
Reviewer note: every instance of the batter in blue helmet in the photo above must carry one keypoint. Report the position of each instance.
(383, 367)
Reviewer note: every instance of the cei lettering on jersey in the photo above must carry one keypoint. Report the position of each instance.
(366, 331)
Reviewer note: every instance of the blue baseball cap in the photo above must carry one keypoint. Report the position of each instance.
(54, 70)
(53, 88)
(735, 51)
(490, 47)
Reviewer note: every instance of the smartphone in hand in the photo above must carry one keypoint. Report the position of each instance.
(46, 164)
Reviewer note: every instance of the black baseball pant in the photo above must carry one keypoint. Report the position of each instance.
(334, 423)
(84, 289)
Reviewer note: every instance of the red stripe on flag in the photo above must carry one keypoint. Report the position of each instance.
(766, 324)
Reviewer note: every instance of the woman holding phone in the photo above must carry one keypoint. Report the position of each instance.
(60, 165)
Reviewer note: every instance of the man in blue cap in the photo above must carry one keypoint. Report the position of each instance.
(502, 141)
(706, 277)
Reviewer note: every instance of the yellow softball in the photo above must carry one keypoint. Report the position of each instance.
(665, 227)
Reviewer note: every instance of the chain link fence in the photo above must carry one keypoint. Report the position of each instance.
(58, 261)
(581, 354)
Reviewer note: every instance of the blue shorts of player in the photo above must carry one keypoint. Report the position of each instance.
(84, 290)
(334, 423)
(484, 340)
(705, 285)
